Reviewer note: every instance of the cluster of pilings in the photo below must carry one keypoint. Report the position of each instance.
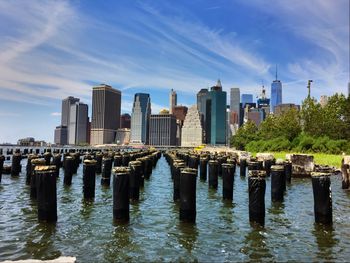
(129, 172)
(212, 167)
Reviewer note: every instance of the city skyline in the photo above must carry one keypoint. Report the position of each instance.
(182, 46)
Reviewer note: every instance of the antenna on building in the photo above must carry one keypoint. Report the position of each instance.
(276, 71)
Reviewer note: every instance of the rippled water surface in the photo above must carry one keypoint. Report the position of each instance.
(222, 231)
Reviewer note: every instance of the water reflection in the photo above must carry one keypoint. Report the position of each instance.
(187, 235)
(40, 241)
(255, 245)
(86, 208)
(116, 250)
(326, 240)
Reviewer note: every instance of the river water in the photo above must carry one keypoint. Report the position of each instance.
(222, 231)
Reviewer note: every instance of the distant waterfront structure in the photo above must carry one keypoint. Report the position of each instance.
(172, 100)
(78, 124)
(282, 108)
(215, 117)
(61, 135)
(276, 93)
(123, 136)
(106, 103)
(125, 121)
(235, 101)
(162, 129)
(140, 115)
(192, 131)
(323, 100)
(246, 98)
(30, 141)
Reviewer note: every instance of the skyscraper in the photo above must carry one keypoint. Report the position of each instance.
(106, 102)
(172, 100)
(162, 129)
(61, 133)
(235, 101)
(201, 106)
(215, 119)
(78, 124)
(141, 112)
(246, 98)
(276, 93)
(66, 103)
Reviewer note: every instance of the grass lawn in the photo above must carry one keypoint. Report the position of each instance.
(320, 158)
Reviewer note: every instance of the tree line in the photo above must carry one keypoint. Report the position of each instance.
(315, 128)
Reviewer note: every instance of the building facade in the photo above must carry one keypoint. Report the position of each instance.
(282, 108)
(78, 124)
(162, 130)
(61, 135)
(192, 130)
(123, 136)
(140, 115)
(246, 98)
(215, 119)
(202, 103)
(125, 121)
(235, 100)
(276, 94)
(172, 100)
(106, 103)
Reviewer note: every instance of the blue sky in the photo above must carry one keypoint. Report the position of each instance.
(53, 49)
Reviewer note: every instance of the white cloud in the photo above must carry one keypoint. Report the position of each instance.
(56, 114)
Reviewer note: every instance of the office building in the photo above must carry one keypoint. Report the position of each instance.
(106, 103)
(276, 93)
(235, 101)
(323, 100)
(140, 115)
(180, 114)
(192, 130)
(263, 102)
(123, 136)
(162, 129)
(66, 103)
(125, 121)
(201, 104)
(172, 100)
(61, 135)
(78, 124)
(246, 98)
(215, 117)
(282, 108)
(256, 115)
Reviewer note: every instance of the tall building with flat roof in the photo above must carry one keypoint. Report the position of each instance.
(66, 103)
(201, 103)
(162, 130)
(282, 108)
(172, 100)
(235, 100)
(215, 119)
(78, 124)
(246, 98)
(106, 103)
(140, 115)
(61, 135)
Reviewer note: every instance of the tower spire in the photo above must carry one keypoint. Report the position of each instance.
(276, 71)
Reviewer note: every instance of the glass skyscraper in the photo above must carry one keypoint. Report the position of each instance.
(246, 98)
(215, 123)
(140, 115)
(276, 94)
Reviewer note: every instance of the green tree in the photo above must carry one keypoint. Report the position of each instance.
(312, 117)
(245, 134)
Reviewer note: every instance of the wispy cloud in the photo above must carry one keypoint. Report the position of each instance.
(56, 114)
(9, 114)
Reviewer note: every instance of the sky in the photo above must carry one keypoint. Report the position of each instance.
(53, 49)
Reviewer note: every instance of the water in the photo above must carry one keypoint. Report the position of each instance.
(222, 231)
